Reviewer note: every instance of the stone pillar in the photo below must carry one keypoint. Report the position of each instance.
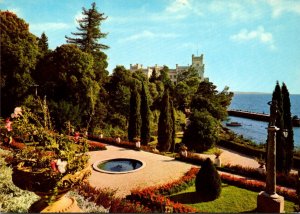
(268, 201)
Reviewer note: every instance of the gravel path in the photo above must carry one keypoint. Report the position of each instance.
(234, 158)
(158, 170)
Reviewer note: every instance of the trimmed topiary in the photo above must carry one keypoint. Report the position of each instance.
(208, 182)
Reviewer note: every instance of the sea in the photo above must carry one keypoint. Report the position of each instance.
(257, 130)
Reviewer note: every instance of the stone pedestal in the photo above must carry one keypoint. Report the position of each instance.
(65, 204)
(270, 203)
(218, 162)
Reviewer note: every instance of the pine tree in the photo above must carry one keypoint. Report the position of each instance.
(280, 141)
(89, 31)
(208, 182)
(164, 132)
(145, 117)
(43, 43)
(134, 115)
(288, 125)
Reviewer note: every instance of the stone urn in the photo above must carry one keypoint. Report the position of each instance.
(183, 151)
(217, 160)
(51, 187)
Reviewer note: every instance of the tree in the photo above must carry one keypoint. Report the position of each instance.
(43, 44)
(89, 35)
(208, 98)
(134, 115)
(19, 51)
(202, 132)
(145, 117)
(89, 31)
(280, 141)
(208, 182)
(288, 125)
(172, 112)
(164, 132)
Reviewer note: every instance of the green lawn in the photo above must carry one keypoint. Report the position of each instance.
(232, 199)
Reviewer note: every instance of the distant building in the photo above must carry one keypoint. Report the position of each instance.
(197, 64)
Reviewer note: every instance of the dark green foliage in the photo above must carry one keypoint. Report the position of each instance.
(145, 117)
(208, 98)
(172, 112)
(19, 51)
(202, 132)
(288, 126)
(208, 182)
(164, 132)
(89, 31)
(134, 115)
(280, 141)
(118, 88)
(43, 44)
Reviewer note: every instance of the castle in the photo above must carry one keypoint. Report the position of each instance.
(197, 64)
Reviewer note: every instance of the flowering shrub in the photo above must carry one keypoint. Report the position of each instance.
(257, 186)
(107, 199)
(282, 179)
(45, 155)
(95, 146)
(154, 197)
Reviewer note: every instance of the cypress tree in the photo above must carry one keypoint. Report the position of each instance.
(208, 182)
(134, 114)
(280, 141)
(288, 125)
(43, 43)
(164, 132)
(145, 117)
(173, 126)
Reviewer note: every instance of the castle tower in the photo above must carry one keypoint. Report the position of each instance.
(197, 63)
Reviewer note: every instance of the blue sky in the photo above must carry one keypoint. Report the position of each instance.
(247, 44)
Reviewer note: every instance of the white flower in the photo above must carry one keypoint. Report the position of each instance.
(61, 165)
(17, 112)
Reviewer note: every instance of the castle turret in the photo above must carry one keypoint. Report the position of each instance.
(197, 64)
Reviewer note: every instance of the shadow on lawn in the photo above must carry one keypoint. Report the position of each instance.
(190, 198)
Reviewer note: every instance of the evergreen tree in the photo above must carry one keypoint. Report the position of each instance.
(89, 31)
(145, 117)
(172, 112)
(43, 44)
(134, 114)
(280, 141)
(208, 182)
(164, 132)
(288, 125)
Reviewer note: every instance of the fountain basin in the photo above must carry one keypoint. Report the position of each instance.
(119, 165)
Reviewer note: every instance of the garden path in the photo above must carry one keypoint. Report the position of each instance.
(231, 157)
(159, 170)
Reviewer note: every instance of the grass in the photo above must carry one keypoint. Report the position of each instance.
(232, 199)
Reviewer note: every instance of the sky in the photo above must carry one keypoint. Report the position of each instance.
(247, 44)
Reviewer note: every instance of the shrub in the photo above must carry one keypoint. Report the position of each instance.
(95, 146)
(208, 181)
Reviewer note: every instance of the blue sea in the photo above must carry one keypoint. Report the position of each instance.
(257, 130)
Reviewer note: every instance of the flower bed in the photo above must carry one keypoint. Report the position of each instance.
(257, 186)
(154, 197)
(107, 199)
(283, 180)
(95, 146)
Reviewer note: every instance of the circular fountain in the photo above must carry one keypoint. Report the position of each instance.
(118, 165)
